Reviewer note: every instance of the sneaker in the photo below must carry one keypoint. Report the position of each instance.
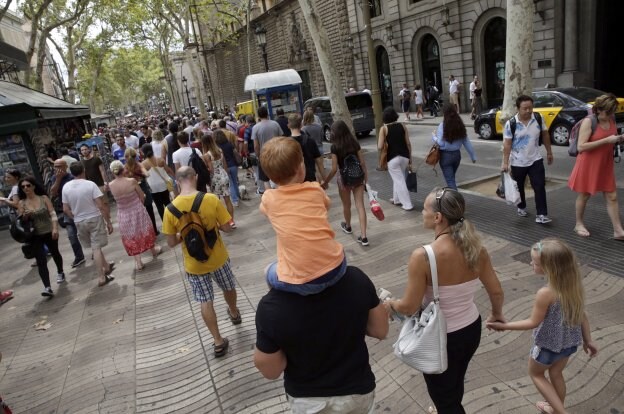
(363, 241)
(542, 219)
(260, 193)
(235, 203)
(60, 278)
(522, 212)
(47, 292)
(345, 228)
(78, 262)
(232, 224)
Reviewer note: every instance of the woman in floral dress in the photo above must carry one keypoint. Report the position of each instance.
(220, 181)
(137, 233)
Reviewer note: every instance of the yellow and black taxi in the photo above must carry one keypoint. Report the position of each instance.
(560, 108)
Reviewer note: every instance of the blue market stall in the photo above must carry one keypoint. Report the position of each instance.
(275, 90)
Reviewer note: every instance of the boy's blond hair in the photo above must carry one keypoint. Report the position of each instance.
(281, 158)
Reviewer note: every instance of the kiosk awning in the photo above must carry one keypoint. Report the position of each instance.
(271, 79)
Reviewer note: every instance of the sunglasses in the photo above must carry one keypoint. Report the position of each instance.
(440, 195)
(26, 185)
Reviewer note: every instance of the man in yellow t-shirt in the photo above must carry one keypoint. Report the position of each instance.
(214, 216)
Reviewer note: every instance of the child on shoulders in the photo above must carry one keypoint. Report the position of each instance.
(309, 259)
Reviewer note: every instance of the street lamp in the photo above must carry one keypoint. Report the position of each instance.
(185, 82)
(261, 40)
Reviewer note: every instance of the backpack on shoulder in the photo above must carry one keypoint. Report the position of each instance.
(203, 175)
(574, 133)
(352, 173)
(198, 240)
(513, 125)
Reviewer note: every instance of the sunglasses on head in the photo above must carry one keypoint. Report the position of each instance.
(440, 195)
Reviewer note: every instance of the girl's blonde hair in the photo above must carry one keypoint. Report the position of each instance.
(116, 167)
(130, 156)
(157, 135)
(559, 263)
(451, 204)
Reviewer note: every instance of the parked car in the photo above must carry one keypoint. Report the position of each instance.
(360, 105)
(560, 108)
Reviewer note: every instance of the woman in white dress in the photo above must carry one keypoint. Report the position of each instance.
(419, 99)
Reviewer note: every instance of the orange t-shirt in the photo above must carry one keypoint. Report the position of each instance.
(306, 248)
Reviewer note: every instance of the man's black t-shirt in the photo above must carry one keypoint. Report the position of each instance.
(322, 336)
(310, 154)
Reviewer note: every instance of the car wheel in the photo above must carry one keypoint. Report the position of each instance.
(327, 133)
(560, 133)
(485, 130)
(363, 134)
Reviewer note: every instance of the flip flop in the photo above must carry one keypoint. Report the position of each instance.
(582, 232)
(6, 296)
(158, 251)
(618, 238)
(544, 407)
(107, 280)
(220, 350)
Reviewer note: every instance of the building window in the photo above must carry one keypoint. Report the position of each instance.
(414, 1)
(375, 8)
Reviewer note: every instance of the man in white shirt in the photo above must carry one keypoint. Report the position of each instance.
(521, 150)
(473, 86)
(131, 140)
(405, 95)
(84, 203)
(181, 156)
(454, 92)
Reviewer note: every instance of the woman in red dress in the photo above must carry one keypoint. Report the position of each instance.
(594, 171)
(137, 233)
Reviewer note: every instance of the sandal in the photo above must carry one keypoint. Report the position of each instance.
(111, 267)
(6, 296)
(235, 320)
(544, 407)
(158, 251)
(581, 232)
(139, 268)
(107, 280)
(220, 350)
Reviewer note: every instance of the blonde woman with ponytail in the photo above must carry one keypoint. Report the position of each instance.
(559, 321)
(463, 265)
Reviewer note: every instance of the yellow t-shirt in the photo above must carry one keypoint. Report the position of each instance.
(213, 214)
(306, 248)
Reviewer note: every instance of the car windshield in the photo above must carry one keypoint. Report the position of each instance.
(583, 94)
(359, 101)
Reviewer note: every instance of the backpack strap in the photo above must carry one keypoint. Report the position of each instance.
(199, 197)
(512, 124)
(174, 210)
(594, 123)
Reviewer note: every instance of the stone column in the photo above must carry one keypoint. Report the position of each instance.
(570, 48)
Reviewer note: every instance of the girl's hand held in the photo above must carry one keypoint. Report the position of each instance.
(590, 349)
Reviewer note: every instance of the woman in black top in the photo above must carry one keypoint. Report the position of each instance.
(395, 135)
(346, 150)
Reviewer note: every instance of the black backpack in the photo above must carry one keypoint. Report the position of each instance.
(512, 126)
(203, 175)
(198, 240)
(352, 173)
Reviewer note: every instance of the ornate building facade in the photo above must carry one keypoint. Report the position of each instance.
(417, 41)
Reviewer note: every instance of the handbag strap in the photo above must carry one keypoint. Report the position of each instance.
(155, 167)
(434, 272)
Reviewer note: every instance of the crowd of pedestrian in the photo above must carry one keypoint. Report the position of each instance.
(190, 171)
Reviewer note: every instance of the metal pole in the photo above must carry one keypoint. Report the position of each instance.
(188, 98)
(253, 92)
(372, 67)
(266, 58)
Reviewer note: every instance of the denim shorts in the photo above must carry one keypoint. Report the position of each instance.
(547, 357)
(310, 288)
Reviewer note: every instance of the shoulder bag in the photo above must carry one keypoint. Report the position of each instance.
(422, 341)
(168, 181)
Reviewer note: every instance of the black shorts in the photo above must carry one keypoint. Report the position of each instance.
(261, 175)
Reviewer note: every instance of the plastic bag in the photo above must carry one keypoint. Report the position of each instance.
(375, 207)
(512, 194)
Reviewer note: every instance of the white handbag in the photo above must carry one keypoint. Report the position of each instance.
(422, 341)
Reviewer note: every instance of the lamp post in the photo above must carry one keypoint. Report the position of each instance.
(260, 33)
(185, 82)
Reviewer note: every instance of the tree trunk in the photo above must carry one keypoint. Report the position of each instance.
(96, 75)
(519, 54)
(194, 65)
(330, 72)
